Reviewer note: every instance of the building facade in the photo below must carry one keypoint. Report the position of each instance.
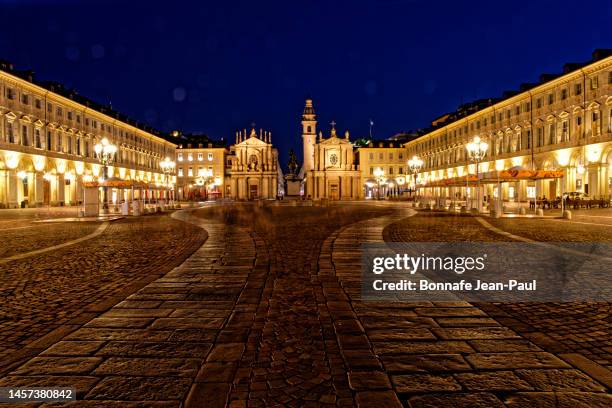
(253, 167)
(389, 158)
(200, 168)
(563, 123)
(335, 175)
(47, 139)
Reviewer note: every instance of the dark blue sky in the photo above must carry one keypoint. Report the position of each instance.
(218, 66)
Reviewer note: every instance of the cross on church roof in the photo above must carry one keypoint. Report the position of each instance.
(333, 123)
(253, 125)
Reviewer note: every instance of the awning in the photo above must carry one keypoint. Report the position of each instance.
(118, 183)
(494, 177)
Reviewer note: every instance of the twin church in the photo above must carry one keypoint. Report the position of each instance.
(329, 169)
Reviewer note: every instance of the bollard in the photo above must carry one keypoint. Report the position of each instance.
(567, 214)
(540, 212)
(522, 211)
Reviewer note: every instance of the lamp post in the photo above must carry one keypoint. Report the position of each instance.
(379, 174)
(400, 183)
(167, 167)
(477, 149)
(105, 152)
(414, 166)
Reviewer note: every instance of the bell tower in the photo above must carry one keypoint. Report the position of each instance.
(309, 135)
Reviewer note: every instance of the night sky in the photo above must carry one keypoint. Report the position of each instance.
(215, 67)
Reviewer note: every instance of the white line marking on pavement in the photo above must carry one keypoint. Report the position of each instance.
(94, 234)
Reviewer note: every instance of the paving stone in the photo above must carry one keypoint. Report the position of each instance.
(372, 399)
(141, 389)
(560, 380)
(424, 347)
(368, 380)
(58, 365)
(515, 360)
(226, 352)
(425, 363)
(559, 400)
(420, 383)
(155, 349)
(493, 381)
(472, 400)
(73, 348)
(149, 367)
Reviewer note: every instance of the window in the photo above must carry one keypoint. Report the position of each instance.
(371, 156)
(551, 99)
(180, 172)
(563, 94)
(59, 143)
(390, 156)
(24, 136)
(48, 140)
(517, 110)
(200, 171)
(594, 83)
(564, 131)
(596, 125)
(400, 170)
(49, 108)
(529, 139)
(37, 141)
(400, 156)
(577, 89)
(179, 157)
(87, 151)
(25, 99)
(37, 103)
(540, 140)
(551, 133)
(190, 156)
(78, 146)
(10, 93)
(578, 121)
(308, 129)
(78, 118)
(58, 111)
(9, 132)
(610, 77)
(190, 172)
(380, 155)
(200, 157)
(69, 144)
(390, 170)
(69, 114)
(528, 107)
(210, 157)
(538, 103)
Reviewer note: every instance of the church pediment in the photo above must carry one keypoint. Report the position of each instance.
(252, 141)
(335, 141)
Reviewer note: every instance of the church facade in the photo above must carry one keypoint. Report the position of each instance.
(253, 166)
(329, 166)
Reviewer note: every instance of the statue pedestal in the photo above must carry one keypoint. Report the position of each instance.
(292, 185)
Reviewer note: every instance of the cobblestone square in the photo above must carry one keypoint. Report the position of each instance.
(241, 305)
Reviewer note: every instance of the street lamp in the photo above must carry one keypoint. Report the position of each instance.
(167, 167)
(379, 174)
(414, 166)
(105, 152)
(477, 150)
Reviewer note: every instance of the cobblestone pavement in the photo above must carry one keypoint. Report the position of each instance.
(268, 313)
(46, 296)
(582, 328)
(26, 238)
